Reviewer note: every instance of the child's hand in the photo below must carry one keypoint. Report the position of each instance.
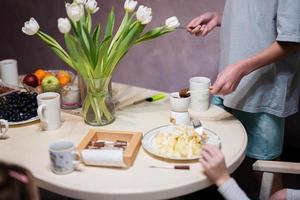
(213, 162)
(204, 23)
(228, 80)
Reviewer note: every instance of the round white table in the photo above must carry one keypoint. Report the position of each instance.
(28, 146)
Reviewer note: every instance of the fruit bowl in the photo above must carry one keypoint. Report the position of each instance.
(61, 81)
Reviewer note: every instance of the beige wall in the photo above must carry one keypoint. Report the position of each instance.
(164, 64)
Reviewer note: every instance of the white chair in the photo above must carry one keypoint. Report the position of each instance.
(269, 168)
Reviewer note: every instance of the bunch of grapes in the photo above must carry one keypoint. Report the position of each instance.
(18, 106)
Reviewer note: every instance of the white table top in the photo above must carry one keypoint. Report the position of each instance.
(28, 146)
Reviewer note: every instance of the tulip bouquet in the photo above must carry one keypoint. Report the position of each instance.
(95, 59)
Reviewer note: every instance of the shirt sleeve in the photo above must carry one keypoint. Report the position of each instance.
(292, 194)
(230, 190)
(288, 21)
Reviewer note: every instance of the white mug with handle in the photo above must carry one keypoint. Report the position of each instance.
(49, 110)
(3, 128)
(63, 156)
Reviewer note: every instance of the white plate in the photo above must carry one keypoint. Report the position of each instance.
(25, 121)
(149, 145)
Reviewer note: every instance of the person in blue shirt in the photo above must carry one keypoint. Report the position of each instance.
(259, 67)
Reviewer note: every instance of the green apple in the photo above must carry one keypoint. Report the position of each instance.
(50, 84)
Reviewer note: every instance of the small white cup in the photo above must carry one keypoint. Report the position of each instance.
(49, 110)
(63, 156)
(3, 128)
(179, 118)
(9, 72)
(70, 97)
(179, 104)
(199, 83)
(199, 100)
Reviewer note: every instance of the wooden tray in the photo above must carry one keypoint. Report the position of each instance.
(133, 138)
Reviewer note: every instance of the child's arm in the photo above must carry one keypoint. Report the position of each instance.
(228, 80)
(213, 163)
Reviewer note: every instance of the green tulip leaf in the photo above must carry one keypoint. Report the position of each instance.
(110, 23)
(58, 50)
(96, 34)
(126, 43)
(88, 22)
(79, 58)
(154, 33)
(92, 56)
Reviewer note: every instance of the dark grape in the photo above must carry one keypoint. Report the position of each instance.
(18, 106)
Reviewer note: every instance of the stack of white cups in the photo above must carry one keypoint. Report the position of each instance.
(199, 90)
(179, 109)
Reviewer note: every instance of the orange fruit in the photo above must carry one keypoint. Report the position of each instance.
(40, 74)
(64, 80)
(63, 77)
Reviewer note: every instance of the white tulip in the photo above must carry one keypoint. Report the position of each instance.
(91, 6)
(80, 1)
(172, 22)
(130, 5)
(74, 11)
(144, 14)
(64, 25)
(31, 27)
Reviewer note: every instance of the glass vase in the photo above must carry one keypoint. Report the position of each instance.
(98, 107)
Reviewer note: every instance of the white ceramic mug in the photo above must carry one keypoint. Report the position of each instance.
(179, 118)
(199, 100)
(3, 128)
(199, 83)
(9, 71)
(179, 104)
(49, 110)
(63, 156)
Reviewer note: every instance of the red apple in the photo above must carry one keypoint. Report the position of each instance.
(31, 80)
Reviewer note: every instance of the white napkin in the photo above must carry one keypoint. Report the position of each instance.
(103, 157)
(213, 113)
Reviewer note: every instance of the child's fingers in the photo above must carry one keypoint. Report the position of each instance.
(205, 31)
(206, 156)
(196, 30)
(208, 147)
(189, 29)
(202, 28)
(216, 88)
(204, 163)
(193, 24)
(215, 152)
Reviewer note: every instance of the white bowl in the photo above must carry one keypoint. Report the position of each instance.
(179, 104)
